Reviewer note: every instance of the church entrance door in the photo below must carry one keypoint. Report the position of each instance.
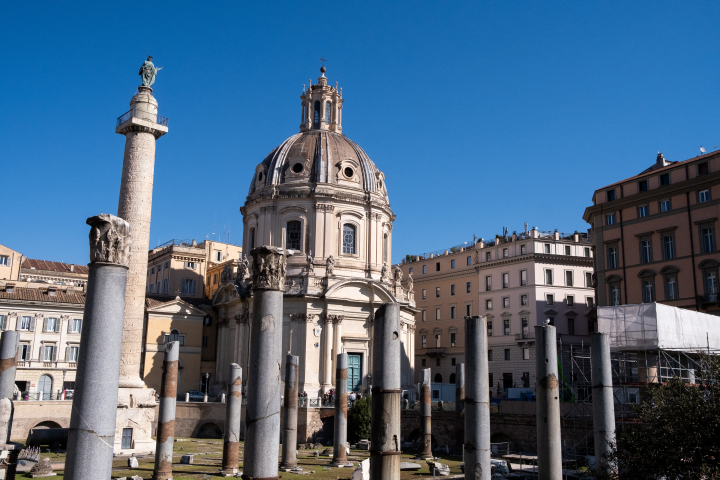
(354, 371)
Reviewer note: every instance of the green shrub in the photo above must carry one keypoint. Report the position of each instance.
(359, 420)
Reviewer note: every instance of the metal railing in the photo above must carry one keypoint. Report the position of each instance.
(141, 114)
(525, 336)
(435, 352)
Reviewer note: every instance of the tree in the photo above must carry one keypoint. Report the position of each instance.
(678, 431)
(359, 419)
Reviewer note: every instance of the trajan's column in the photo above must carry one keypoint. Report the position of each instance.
(142, 126)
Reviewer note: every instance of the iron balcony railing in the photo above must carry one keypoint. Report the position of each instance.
(435, 352)
(153, 117)
(525, 336)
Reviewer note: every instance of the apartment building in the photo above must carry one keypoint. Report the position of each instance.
(516, 282)
(10, 261)
(655, 235)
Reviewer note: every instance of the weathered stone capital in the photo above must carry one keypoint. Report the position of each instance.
(269, 267)
(109, 239)
(242, 318)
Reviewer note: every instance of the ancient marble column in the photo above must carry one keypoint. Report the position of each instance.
(264, 382)
(290, 413)
(340, 444)
(477, 446)
(426, 414)
(9, 342)
(233, 410)
(547, 405)
(92, 422)
(141, 130)
(385, 421)
(459, 407)
(166, 413)
(603, 402)
(327, 351)
(337, 348)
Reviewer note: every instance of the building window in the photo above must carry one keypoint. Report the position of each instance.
(205, 341)
(191, 265)
(506, 327)
(218, 256)
(526, 356)
(610, 195)
(664, 179)
(589, 302)
(468, 313)
(26, 323)
(569, 278)
(507, 354)
(570, 299)
(437, 266)
(469, 261)
(424, 293)
(489, 355)
(505, 280)
(188, 286)
(437, 314)
(468, 287)
(423, 344)
(24, 352)
(506, 302)
(525, 329)
(411, 270)
(587, 252)
(316, 119)
(127, 434)
(328, 108)
(424, 268)
(74, 325)
(647, 290)
(438, 342)
(668, 246)
(548, 277)
(71, 354)
(437, 292)
(452, 312)
(452, 290)
(643, 186)
(452, 263)
(489, 328)
(3, 322)
(505, 253)
(550, 299)
(423, 316)
(612, 257)
(567, 250)
(488, 256)
(610, 219)
(48, 353)
(488, 283)
(551, 321)
(292, 235)
(704, 196)
(452, 343)
(424, 362)
(547, 248)
(571, 326)
(452, 376)
(4, 261)
(707, 238)
(643, 211)
(523, 277)
(349, 239)
(523, 249)
(671, 286)
(523, 300)
(665, 205)
(488, 304)
(588, 279)
(51, 325)
(710, 279)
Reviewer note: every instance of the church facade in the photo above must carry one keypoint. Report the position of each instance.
(319, 195)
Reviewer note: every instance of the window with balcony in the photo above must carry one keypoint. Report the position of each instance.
(24, 352)
(525, 328)
(523, 277)
(506, 327)
(642, 211)
(48, 353)
(438, 342)
(505, 280)
(569, 278)
(71, 354)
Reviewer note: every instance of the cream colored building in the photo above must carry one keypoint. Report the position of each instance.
(320, 195)
(516, 282)
(10, 262)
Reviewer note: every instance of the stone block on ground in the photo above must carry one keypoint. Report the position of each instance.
(440, 468)
(408, 466)
(363, 471)
(327, 452)
(132, 462)
(363, 445)
(187, 459)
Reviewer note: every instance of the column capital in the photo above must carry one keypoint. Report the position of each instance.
(109, 239)
(269, 267)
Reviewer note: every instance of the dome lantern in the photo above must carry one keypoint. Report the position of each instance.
(321, 106)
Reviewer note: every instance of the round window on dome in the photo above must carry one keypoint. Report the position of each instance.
(349, 172)
(260, 175)
(297, 168)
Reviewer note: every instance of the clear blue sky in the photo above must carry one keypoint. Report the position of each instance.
(481, 114)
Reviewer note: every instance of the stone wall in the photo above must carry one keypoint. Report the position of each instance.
(30, 414)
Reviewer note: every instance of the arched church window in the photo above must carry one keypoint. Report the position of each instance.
(452, 378)
(292, 235)
(348, 239)
(252, 238)
(327, 112)
(385, 248)
(316, 120)
(438, 378)
(174, 335)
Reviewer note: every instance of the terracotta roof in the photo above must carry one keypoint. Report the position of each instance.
(41, 295)
(662, 169)
(154, 300)
(47, 265)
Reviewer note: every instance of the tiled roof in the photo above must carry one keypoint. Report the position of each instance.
(154, 300)
(47, 265)
(41, 295)
(662, 169)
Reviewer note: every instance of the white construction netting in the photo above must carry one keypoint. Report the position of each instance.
(649, 326)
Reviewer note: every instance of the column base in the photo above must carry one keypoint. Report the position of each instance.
(228, 472)
(137, 409)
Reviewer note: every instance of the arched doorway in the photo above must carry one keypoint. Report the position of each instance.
(44, 385)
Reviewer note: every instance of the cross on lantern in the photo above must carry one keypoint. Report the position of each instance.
(323, 60)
